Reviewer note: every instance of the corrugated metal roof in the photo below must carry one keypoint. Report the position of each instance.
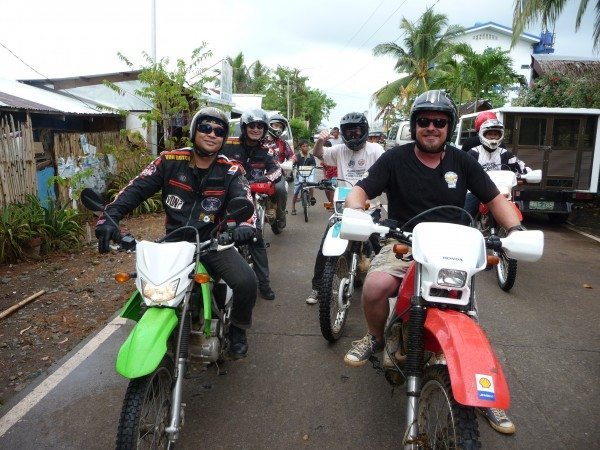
(22, 96)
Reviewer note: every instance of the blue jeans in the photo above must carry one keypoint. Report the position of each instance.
(472, 206)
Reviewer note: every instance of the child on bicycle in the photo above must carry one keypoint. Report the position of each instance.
(303, 158)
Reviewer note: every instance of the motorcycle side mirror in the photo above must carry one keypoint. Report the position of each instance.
(91, 200)
(240, 209)
(534, 177)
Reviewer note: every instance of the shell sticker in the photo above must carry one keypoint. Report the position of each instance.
(485, 387)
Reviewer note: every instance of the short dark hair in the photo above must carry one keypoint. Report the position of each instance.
(301, 142)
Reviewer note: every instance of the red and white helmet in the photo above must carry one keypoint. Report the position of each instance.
(482, 117)
(491, 125)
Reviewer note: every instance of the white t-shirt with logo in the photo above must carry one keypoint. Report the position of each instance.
(352, 165)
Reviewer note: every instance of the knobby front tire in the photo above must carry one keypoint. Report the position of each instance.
(506, 271)
(331, 318)
(146, 410)
(441, 421)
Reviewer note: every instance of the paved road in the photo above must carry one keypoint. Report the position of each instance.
(293, 390)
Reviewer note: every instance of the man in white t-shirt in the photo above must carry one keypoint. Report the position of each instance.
(353, 158)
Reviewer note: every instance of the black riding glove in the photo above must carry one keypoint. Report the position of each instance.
(105, 232)
(243, 234)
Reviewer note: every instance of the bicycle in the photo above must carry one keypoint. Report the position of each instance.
(305, 175)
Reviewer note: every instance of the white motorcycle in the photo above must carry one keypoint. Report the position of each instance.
(344, 270)
(505, 181)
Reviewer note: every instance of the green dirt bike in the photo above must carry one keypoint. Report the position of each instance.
(181, 314)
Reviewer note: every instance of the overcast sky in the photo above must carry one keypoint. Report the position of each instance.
(331, 41)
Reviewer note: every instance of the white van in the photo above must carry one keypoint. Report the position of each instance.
(563, 142)
(398, 134)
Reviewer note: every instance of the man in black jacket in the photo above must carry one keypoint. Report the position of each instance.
(197, 184)
(260, 166)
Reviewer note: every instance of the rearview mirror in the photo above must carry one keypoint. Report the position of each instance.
(91, 200)
(240, 209)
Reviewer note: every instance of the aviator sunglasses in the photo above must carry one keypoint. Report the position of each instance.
(424, 122)
(207, 128)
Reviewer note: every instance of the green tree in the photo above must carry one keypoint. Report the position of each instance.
(488, 74)
(241, 74)
(528, 12)
(171, 93)
(560, 91)
(426, 44)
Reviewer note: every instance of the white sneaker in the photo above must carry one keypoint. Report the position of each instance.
(312, 298)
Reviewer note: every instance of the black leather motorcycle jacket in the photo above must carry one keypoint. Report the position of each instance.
(257, 161)
(190, 196)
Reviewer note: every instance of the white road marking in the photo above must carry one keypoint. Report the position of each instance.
(34, 397)
(577, 230)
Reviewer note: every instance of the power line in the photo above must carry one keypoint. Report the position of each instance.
(368, 64)
(363, 25)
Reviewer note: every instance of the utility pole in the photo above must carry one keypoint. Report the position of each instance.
(153, 130)
(288, 97)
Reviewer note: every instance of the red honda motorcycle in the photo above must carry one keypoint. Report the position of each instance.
(433, 342)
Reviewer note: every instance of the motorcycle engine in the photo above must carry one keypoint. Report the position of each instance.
(205, 348)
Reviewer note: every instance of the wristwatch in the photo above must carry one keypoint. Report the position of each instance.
(516, 228)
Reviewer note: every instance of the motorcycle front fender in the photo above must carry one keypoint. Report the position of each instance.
(146, 345)
(133, 307)
(475, 373)
(334, 245)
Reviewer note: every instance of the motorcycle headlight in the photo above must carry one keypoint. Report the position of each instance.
(452, 278)
(161, 293)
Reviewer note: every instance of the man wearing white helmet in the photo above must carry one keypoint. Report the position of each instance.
(491, 156)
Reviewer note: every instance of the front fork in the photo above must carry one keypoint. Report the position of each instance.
(182, 356)
(355, 248)
(414, 362)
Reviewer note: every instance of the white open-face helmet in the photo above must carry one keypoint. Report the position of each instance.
(491, 125)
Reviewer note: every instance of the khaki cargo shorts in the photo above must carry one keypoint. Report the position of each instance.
(386, 261)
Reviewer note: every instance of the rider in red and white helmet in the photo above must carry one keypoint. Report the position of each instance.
(474, 141)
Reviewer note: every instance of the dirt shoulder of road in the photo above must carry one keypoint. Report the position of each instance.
(80, 296)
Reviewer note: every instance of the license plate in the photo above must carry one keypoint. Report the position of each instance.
(541, 205)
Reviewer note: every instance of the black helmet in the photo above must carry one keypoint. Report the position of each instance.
(251, 116)
(433, 101)
(277, 118)
(352, 120)
(208, 113)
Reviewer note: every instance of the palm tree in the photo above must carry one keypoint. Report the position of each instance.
(486, 72)
(425, 45)
(530, 11)
(241, 75)
(451, 76)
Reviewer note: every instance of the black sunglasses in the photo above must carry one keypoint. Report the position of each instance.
(424, 122)
(207, 128)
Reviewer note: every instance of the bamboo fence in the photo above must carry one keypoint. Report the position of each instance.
(18, 175)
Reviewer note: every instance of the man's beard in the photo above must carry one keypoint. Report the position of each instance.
(429, 148)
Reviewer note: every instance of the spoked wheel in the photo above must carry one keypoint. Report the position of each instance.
(305, 204)
(335, 281)
(146, 410)
(441, 421)
(506, 269)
